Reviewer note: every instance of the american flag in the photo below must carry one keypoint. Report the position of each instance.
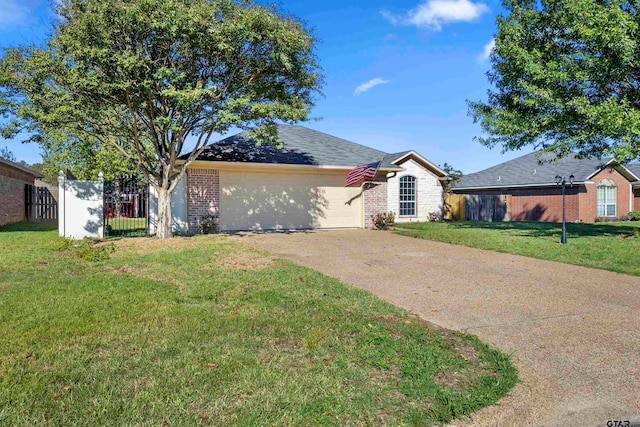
(361, 173)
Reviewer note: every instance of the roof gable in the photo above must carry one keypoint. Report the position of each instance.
(402, 157)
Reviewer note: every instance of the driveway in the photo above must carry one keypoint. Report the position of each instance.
(574, 332)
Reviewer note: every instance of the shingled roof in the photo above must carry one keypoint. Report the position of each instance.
(532, 169)
(302, 146)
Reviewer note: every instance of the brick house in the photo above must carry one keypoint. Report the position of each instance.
(13, 178)
(302, 185)
(599, 190)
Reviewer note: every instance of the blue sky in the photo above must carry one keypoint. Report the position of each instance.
(397, 72)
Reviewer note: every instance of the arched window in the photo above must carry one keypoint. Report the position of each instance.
(408, 196)
(607, 198)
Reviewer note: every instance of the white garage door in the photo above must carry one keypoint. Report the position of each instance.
(280, 201)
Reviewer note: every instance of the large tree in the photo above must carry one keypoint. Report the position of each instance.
(144, 76)
(565, 78)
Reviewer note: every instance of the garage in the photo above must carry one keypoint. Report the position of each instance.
(288, 201)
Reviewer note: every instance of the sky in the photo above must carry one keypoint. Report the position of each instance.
(397, 73)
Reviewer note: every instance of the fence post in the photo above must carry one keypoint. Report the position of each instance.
(62, 195)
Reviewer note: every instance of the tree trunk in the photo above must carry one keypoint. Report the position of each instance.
(163, 230)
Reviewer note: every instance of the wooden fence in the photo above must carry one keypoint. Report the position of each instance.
(478, 207)
(40, 204)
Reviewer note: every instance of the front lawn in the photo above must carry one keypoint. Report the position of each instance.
(207, 331)
(611, 246)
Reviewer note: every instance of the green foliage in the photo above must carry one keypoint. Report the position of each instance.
(87, 249)
(7, 154)
(383, 221)
(565, 79)
(634, 216)
(138, 78)
(208, 224)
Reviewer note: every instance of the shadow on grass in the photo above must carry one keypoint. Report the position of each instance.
(27, 226)
(547, 229)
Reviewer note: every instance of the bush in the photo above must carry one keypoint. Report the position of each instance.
(382, 221)
(208, 224)
(623, 218)
(634, 216)
(87, 248)
(433, 216)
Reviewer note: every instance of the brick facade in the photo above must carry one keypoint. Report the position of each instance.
(12, 184)
(545, 203)
(589, 199)
(375, 199)
(203, 195)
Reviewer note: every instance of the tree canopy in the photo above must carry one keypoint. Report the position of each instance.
(142, 76)
(565, 78)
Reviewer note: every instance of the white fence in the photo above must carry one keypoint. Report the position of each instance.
(81, 208)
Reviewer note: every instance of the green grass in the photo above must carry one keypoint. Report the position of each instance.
(126, 227)
(611, 246)
(207, 331)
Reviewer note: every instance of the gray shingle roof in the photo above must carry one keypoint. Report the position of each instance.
(634, 168)
(531, 169)
(302, 146)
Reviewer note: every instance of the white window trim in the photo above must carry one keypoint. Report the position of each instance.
(606, 202)
(415, 201)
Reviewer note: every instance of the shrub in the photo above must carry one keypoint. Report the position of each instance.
(634, 216)
(382, 221)
(623, 218)
(433, 216)
(87, 248)
(208, 224)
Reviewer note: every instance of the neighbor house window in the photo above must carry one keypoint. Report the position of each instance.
(607, 198)
(408, 196)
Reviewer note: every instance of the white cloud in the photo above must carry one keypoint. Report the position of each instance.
(486, 51)
(368, 85)
(435, 13)
(12, 14)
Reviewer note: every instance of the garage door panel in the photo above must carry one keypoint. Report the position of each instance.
(259, 201)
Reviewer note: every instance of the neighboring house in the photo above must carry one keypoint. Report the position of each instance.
(528, 185)
(13, 178)
(302, 185)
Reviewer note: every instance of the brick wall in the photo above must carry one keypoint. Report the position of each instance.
(540, 204)
(203, 195)
(12, 201)
(589, 200)
(375, 199)
(545, 204)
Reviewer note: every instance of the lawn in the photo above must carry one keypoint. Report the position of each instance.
(207, 331)
(611, 246)
(126, 227)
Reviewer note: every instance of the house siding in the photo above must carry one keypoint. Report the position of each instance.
(545, 203)
(375, 199)
(203, 195)
(12, 201)
(538, 204)
(428, 192)
(589, 199)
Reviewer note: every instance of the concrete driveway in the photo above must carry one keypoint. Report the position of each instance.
(574, 332)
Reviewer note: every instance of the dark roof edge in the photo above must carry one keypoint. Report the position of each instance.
(497, 187)
(22, 168)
